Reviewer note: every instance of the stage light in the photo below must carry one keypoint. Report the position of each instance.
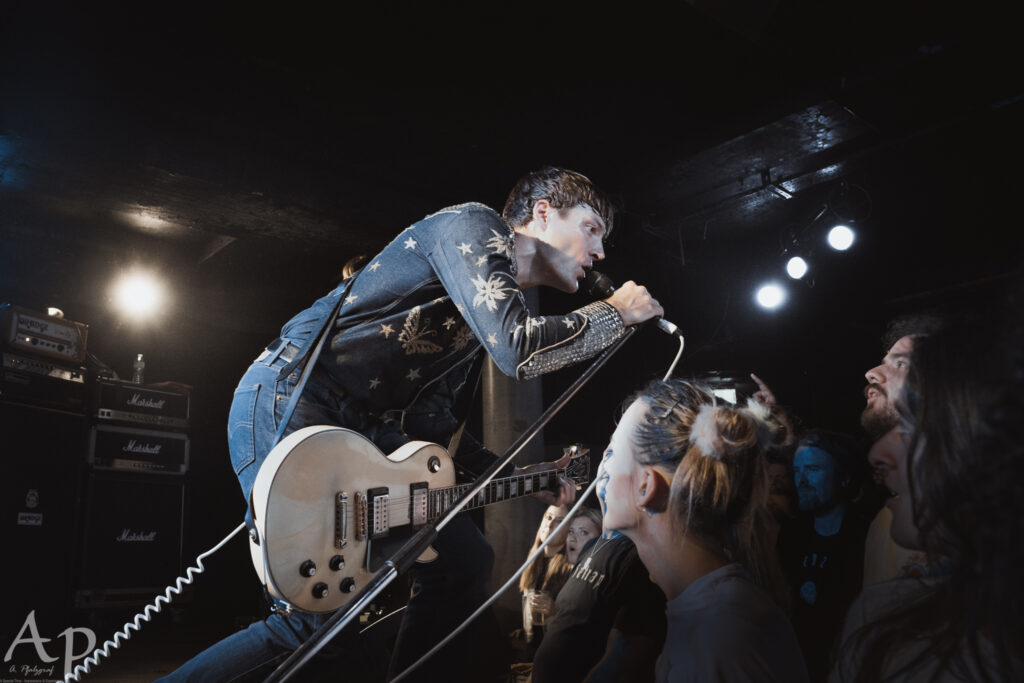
(796, 267)
(138, 294)
(771, 296)
(840, 238)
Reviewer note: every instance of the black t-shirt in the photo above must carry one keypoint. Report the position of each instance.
(825, 574)
(608, 588)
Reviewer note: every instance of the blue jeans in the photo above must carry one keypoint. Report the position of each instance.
(444, 592)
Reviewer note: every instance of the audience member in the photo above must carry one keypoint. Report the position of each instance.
(686, 480)
(583, 528)
(883, 558)
(822, 551)
(545, 576)
(885, 380)
(609, 622)
(959, 497)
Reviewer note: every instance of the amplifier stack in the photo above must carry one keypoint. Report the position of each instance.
(138, 456)
(92, 479)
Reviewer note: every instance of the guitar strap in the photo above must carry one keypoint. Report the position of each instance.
(301, 385)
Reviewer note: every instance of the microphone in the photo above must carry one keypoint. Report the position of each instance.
(600, 286)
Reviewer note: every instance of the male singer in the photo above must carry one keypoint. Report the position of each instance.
(400, 355)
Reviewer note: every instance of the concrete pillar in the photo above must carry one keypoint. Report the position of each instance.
(509, 407)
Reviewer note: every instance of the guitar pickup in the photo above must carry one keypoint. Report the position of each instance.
(418, 500)
(378, 501)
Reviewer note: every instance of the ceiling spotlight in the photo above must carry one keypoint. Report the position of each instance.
(771, 296)
(796, 267)
(840, 238)
(138, 294)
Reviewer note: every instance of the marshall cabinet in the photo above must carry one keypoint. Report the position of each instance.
(132, 540)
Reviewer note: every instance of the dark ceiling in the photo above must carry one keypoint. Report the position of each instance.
(247, 152)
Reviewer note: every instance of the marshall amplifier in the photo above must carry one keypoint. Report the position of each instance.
(131, 538)
(138, 450)
(140, 404)
(42, 382)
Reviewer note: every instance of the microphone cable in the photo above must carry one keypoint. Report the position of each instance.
(490, 601)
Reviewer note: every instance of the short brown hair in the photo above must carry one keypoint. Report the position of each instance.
(564, 189)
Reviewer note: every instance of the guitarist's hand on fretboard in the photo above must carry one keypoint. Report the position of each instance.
(566, 494)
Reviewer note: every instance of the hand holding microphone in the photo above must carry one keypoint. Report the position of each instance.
(633, 302)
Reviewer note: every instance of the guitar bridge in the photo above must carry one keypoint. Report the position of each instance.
(341, 520)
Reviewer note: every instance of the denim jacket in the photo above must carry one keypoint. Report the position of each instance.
(420, 311)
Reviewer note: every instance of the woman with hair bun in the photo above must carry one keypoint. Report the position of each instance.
(686, 479)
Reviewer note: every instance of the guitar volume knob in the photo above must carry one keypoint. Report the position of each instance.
(348, 584)
(337, 563)
(307, 568)
(320, 590)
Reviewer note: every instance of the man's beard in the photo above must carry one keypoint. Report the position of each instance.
(807, 500)
(876, 421)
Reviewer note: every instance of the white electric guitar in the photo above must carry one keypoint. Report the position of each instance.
(330, 508)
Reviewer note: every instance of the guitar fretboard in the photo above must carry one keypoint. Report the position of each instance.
(506, 488)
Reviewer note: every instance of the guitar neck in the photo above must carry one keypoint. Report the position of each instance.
(496, 491)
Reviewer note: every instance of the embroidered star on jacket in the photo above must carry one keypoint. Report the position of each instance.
(490, 292)
(465, 248)
(350, 298)
(480, 261)
(500, 244)
(571, 324)
(492, 339)
(410, 243)
(374, 383)
(413, 375)
(534, 323)
(448, 322)
(375, 266)
(459, 308)
(386, 330)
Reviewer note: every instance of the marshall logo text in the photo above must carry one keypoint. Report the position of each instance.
(134, 446)
(138, 401)
(129, 536)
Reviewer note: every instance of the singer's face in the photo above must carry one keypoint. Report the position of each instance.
(885, 382)
(576, 238)
(618, 472)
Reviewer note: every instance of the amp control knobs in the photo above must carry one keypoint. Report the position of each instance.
(307, 568)
(320, 590)
(337, 562)
(348, 584)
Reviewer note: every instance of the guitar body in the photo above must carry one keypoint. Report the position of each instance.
(323, 498)
(330, 508)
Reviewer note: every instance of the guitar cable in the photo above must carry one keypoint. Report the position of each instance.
(146, 614)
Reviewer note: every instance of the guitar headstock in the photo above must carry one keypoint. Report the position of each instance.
(578, 469)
